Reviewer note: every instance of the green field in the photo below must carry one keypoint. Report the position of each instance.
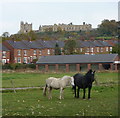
(104, 97)
(38, 79)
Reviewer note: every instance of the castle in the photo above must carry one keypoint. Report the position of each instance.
(24, 28)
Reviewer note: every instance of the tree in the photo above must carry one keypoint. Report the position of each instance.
(69, 47)
(116, 49)
(57, 50)
(108, 28)
(31, 35)
(5, 34)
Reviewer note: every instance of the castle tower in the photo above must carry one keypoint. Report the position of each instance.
(25, 27)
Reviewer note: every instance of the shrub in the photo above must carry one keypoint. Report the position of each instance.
(15, 66)
(33, 66)
(6, 66)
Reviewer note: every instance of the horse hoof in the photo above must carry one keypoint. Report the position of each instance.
(89, 98)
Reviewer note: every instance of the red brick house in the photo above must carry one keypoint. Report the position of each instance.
(19, 51)
(4, 54)
(93, 47)
(26, 51)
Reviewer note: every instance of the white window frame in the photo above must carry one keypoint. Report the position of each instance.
(40, 52)
(91, 49)
(25, 60)
(97, 49)
(3, 61)
(19, 52)
(106, 49)
(81, 49)
(25, 52)
(4, 54)
(34, 57)
(34, 52)
(101, 49)
(48, 51)
(110, 49)
(19, 60)
(88, 50)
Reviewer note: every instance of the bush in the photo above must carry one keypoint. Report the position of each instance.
(7, 66)
(33, 66)
(15, 66)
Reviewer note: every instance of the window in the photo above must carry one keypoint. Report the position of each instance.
(25, 52)
(87, 49)
(34, 52)
(91, 49)
(19, 52)
(110, 49)
(3, 61)
(25, 60)
(4, 54)
(53, 51)
(106, 49)
(40, 52)
(101, 49)
(81, 49)
(34, 57)
(18, 60)
(97, 49)
(48, 51)
(15, 60)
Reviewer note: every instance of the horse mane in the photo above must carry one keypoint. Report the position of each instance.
(89, 72)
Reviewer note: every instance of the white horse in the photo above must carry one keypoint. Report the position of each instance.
(57, 83)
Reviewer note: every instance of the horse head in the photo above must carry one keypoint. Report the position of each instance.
(72, 81)
(91, 75)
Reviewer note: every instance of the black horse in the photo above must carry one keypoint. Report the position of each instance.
(83, 81)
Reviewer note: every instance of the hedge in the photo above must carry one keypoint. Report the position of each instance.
(16, 66)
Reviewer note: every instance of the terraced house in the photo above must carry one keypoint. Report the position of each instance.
(19, 52)
(26, 51)
(4, 54)
(93, 47)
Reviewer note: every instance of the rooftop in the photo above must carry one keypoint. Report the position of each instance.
(67, 59)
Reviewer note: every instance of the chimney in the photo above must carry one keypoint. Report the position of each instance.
(83, 23)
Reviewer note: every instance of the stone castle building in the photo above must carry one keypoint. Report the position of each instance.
(25, 27)
(65, 27)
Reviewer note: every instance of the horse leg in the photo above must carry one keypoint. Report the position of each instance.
(89, 89)
(75, 90)
(50, 93)
(61, 92)
(44, 90)
(83, 93)
(78, 92)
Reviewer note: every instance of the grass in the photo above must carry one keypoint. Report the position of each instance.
(38, 79)
(104, 102)
(104, 97)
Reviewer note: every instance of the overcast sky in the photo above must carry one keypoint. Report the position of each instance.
(50, 12)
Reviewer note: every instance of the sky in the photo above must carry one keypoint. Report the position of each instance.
(50, 12)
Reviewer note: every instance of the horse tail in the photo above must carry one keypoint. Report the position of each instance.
(44, 90)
